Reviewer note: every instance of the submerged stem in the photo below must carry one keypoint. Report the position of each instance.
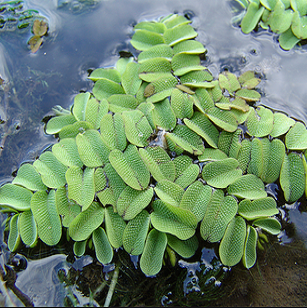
(112, 287)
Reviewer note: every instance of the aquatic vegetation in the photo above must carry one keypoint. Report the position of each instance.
(158, 158)
(284, 17)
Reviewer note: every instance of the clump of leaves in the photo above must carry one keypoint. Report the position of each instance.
(39, 29)
(156, 150)
(286, 18)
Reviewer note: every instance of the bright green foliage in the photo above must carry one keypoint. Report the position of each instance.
(155, 149)
(278, 16)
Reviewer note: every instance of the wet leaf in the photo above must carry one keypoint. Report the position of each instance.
(221, 173)
(251, 18)
(288, 40)
(174, 20)
(35, 42)
(110, 74)
(229, 82)
(212, 155)
(178, 34)
(281, 124)
(169, 192)
(44, 209)
(104, 88)
(249, 253)
(185, 63)
(120, 102)
(27, 228)
(191, 47)
(220, 211)
(258, 208)
(152, 256)
(296, 138)
(299, 6)
(182, 104)
(153, 69)
(103, 249)
(130, 78)
(268, 224)
(292, 179)
(144, 39)
(55, 124)
(157, 51)
(260, 124)
(223, 118)
(79, 248)
(86, 222)
(186, 248)
(299, 26)
(163, 115)
(39, 27)
(232, 245)
(280, 19)
(28, 177)
(14, 236)
(131, 202)
(135, 233)
(52, 171)
(248, 95)
(174, 220)
(72, 130)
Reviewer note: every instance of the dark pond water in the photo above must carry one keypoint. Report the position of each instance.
(84, 35)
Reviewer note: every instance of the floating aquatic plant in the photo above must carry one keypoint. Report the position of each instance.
(159, 157)
(287, 18)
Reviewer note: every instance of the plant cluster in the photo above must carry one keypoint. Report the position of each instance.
(287, 18)
(158, 157)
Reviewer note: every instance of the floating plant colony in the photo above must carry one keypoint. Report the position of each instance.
(287, 18)
(158, 158)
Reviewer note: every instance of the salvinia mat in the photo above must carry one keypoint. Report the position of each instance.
(160, 157)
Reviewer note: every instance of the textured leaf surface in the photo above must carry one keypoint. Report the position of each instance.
(27, 228)
(182, 104)
(103, 249)
(104, 88)
(115, 226)
(169, 192)
(186, 248)
(15, 196)
(80, 105)
(296, 138)
(249, 253)
(292, 179)
(14, 236)
(170, 219)
(55, 124)
(247, 186)
(72, 130)
(44, 209)
(92, 150)
(281, 124)
(51, 170)
(262, 207)
(163, 115)
(130, 167)
(196, 199)
(152, 257)
(131, 202)
(130, 78)
(252, 17)
(219, 212)
(232, 245)
(86, 222)
(120, 102)
(185, 63)
(79, 248)
(178, 34)
(260, 124)
(157, 51)
(135, 233)
(221, 173)
(144, 39)
(223, 118)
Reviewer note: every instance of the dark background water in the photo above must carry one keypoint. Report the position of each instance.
(86, 35)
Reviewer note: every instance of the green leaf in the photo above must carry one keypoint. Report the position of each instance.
(174, 220)
(185, 63)
(131, 202)
(247, 186)
(229, 82)
(14, 237)
(260, 124)
(262, 207)
(86, 222)
(122, 102)
(244, 154)
(280, 19)
(190, 47)
(144, 39)
(299, 6)
(81, 185)
(157, 51)
(299, 26)
(223, 118)
(220, 211)
(248, 95)
(196, 199)
(174, 20)
(155, 68)
(27, 228)
(163, 115)
(182, 104)
(201, 125)
(135, 233)
(281, 124)
(28, 177)
(152, 256)
(212, 155)
(221, 173)
(178, 34)
(105, 73)
(137, 127)
(296, 138)
(67, 209)
(249, 252)
(232, 245)
(66, 152)
(112, 131)
(169, 192)
(44, 209)
(130, 78)
(103, 249)
(55, 124)
(186, 139)
(104, 88)
(158, 163)
(92, 150)
(153, 26)
(121, 64)
(72, 130)
(130, 167)
(288, 40)
(268, 224)
(79, 248)
(251, 18)
(292, 178)
(115, 226)
(186, 249)
(52, 171)
(80, 105)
